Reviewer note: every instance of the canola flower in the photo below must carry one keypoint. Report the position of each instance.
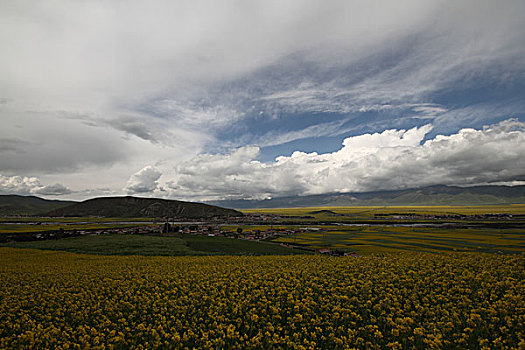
(395, 301)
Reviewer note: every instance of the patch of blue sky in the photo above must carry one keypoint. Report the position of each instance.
(308, 145)
(300, 104)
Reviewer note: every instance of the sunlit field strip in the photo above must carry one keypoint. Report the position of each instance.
(369, 211)
(480, 237)
(356, 245)
(456, 242)
(426, 246)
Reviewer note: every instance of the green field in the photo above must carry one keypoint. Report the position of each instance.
(360, 239)
(41, 224)
(156, 245)
(378, 238)
(394, 238)
(28, 228)
(76, 219)
(332, 227)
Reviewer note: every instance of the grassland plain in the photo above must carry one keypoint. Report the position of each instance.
(399, 235)
(404, 300)
(395, 238)
(367, 212)
(120, 244)
(78, 219)
(30, 228)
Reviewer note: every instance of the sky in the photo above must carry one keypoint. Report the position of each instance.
(207, 100)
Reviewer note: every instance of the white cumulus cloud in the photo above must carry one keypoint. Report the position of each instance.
(392, 159)
(143, 181)
(24, 185)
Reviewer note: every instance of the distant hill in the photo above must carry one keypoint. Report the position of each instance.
(432, 195)
(151, 207)
(141, 207)
(28, 205)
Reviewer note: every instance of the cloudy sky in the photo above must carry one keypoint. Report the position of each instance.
(202, 100)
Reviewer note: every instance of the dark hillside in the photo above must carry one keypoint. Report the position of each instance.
(142, 207)
(28, 205)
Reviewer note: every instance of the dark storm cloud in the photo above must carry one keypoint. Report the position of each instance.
(135, 125)
(53, 190)
(13, 145)
(57, 150)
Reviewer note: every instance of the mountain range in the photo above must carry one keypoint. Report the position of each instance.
(432, 195)
(153, 207)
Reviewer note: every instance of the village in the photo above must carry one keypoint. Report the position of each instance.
(166, 229)
(267, 235)
(282, 230)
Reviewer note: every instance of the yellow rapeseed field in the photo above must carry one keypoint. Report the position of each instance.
(56, 300)
(368, 211)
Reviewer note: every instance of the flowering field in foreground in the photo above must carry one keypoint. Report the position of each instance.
(393, 300)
